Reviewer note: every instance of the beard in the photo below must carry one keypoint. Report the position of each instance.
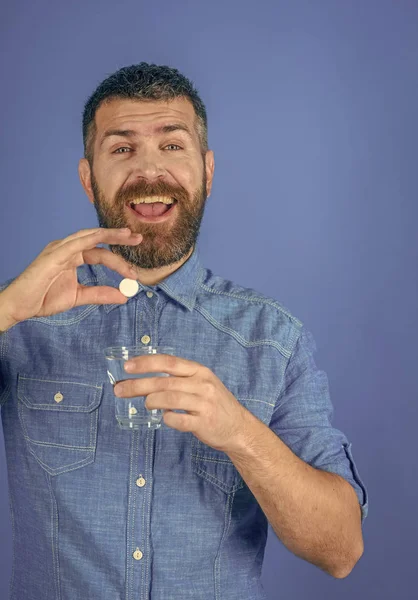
(163, 243)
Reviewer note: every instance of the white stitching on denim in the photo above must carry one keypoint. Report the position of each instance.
(147, 509)
(67, 468)
(54, 538)
(129, 537)
(12, 517)
(64, 446)
(63, 322)
(132, 515)
(92, 422)
(68, 408)
(57, 470)
(40, 443)
(129, 532)
(22, 421)
(238, 337)
(255, 301)
(97, 395)
(241, 399)
(294, 336)
(227, 522)
(218, 482)
(60, 381)
(216, 460)
(94, 427)
(135, 495)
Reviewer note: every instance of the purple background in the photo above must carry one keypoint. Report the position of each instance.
(313, 112)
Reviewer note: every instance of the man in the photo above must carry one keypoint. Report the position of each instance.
(180, 512)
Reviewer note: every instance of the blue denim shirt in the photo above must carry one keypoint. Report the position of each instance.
(102, 513)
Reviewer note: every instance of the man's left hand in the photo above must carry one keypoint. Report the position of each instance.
(213, 414)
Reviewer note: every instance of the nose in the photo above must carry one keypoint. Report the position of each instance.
(148, 164)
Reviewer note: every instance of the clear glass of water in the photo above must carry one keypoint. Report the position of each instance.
(131, 413)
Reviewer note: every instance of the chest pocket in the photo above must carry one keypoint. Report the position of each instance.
(215, 466)
(59, 421)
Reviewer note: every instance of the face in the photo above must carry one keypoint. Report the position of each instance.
(140, 162)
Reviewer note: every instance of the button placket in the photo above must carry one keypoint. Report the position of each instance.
(147, 323)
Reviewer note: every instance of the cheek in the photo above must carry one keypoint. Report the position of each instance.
(189, 177)
(110, 181)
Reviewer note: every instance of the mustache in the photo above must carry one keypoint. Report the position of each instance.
(142, 189)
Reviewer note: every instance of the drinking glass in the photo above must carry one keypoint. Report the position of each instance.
(131, 413)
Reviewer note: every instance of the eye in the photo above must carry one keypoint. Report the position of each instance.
(121, 148)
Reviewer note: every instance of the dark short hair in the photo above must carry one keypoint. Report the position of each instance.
(143, 81)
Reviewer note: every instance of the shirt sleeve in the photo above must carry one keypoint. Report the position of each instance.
(302, 419)
(4, 385)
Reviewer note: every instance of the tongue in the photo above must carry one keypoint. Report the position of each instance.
(152, 210)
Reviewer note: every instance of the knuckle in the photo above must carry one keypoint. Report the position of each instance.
(205, 372)
(167, 383)
(207, 388)
(171, 361)
(161, 383)
(171, 400)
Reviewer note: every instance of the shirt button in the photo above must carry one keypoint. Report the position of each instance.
(58, 397)
(137, 554)
(140, 482)
(150, 294)
(132, 410)
(145, 339)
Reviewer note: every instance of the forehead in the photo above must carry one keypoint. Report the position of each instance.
(143, 115)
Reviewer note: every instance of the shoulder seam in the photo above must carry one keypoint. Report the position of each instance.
(243, 342)
(255, 301)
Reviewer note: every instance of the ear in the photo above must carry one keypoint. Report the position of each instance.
(210, 168)
(84, 173)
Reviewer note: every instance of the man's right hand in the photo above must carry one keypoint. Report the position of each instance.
(49, 284)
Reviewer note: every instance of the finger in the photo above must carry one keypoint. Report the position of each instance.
(74, 247)
(181, 421)
(98, 256)
(76, 234)
(164, 363)
(101, 294)
(86, 232)
(173, 401)
(150, 385)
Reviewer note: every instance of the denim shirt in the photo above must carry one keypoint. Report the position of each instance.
(104, 513)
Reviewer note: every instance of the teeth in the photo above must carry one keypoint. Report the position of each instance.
(151, 200)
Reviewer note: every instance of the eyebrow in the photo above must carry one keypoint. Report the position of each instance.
(129, 133)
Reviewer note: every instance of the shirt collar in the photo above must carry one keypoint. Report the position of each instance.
(181, 285)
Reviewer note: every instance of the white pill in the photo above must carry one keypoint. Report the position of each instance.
(129, 287)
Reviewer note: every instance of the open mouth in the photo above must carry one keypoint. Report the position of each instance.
(153, 212)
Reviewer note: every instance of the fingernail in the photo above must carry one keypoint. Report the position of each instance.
(128, 366)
